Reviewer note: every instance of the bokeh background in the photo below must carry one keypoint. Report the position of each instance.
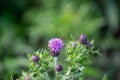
(27, 25)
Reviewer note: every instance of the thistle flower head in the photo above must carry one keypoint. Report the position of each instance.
(59, 68)
(83, 39)
(55, 45)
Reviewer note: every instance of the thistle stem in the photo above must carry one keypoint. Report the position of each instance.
(83, 48)
(55, 62)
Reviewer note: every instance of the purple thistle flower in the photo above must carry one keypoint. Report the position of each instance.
(55, 45)
(83, 39)
(59, 68)
(35, 58)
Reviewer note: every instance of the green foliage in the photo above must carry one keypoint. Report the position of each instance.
(77, 58)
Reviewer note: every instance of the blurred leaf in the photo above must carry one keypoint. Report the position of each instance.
(105, 77)
(12, 64)
(92, 72)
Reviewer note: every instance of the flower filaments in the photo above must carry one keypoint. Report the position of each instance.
(55, 45)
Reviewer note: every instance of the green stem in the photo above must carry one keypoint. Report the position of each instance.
(55, 62)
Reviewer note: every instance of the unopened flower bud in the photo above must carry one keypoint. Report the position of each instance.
(59, 68)
(35, 58)
(83, 39)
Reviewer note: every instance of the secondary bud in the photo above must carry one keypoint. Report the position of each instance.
(59, 68)
(88, 44)
(35, 58)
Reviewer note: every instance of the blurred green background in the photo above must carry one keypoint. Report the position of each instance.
(27, 25)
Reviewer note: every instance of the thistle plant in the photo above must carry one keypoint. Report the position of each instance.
(47, 64)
